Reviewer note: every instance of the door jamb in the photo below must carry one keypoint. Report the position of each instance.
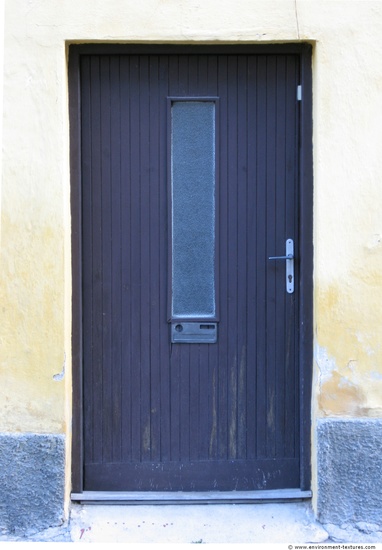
(75, 200)
(306, 263)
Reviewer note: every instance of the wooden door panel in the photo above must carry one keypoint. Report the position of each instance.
(162, 416)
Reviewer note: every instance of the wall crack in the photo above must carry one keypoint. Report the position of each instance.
(297, 23)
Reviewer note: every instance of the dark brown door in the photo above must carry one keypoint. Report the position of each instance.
(163, 410)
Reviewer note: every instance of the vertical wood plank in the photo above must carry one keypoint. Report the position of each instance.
(126, 263)
(136, 289)
(274, 242)
(280, 229)
(252, 318)
(163, 214)
(106, 260)
(222, 382)
(96, 255)
(242, 248)
(143, 135)
(116, 259)
(155, 238)
(261, 259)
(86, 126)
(232, 254)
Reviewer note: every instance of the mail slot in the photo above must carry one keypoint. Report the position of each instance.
(193, 333)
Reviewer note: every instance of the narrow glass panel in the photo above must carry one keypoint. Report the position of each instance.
(193, 208)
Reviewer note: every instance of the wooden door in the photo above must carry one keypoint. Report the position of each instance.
(165, 415)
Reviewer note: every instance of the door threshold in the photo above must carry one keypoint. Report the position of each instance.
(208, 497)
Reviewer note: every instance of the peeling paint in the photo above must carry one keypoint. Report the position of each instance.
(271, 412)
(232, 438)
(339, 396)
(348, 348)
(146, 439)
(325, 363)
(60, 376)
(213, 435)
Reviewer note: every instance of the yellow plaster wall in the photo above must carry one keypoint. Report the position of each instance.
(347, 209)
(35, 285)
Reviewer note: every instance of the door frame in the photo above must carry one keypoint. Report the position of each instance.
(305, 223)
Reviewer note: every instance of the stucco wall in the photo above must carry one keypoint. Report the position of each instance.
(35, 388)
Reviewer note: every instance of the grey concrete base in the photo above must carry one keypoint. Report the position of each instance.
(362, 532)
(32, 480)
(349, 471)
(289, 523)
(194, 523)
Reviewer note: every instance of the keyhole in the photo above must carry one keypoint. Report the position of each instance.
(290, 278)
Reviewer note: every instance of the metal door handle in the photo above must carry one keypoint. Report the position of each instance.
(289, 257)
(289, 265)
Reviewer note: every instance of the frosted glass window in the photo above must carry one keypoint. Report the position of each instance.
(193, 208)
